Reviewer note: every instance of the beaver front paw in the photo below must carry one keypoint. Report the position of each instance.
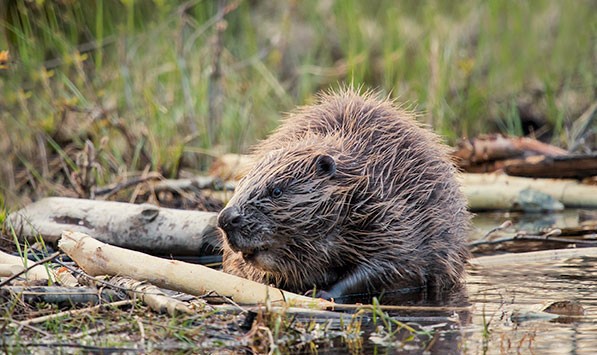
(320, 294)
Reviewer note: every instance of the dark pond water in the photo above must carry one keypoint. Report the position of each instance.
(509, 296)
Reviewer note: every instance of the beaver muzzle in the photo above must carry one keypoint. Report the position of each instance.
(231, 221)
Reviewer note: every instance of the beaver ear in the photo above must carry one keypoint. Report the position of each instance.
(325, 165)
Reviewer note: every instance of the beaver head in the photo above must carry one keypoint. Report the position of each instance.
(289, 210)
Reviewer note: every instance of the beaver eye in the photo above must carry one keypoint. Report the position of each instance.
(276, 192)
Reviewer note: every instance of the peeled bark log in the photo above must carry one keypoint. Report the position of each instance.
(543, 256)
(143, 227)
(38, 272)
(97, 258)
(152, 296)
(499, 191)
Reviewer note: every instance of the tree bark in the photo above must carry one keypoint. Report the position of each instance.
(143, 227)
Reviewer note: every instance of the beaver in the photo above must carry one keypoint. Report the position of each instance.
(349, 195)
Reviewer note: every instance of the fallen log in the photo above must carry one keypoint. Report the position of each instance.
(59, 295)
(17, 264)
(143, 227)
(231, 166)
(543, 256)
(196, 183)
(500, 191)
(152, 296)
(572, 167)
(498, 147)
(97, 258)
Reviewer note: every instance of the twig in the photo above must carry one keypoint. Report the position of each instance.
(28, 326)
(112, 189)
(547, 237)
(137, 189)
(96, 330)
(142, 331)
(229, 300)
(502, 226)
(93, 349)
(76, 312)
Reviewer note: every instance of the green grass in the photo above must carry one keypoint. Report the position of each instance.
(139, 75)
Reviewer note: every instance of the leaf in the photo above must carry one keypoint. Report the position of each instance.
(4, 57)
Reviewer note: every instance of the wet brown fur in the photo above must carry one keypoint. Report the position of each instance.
(390, 216)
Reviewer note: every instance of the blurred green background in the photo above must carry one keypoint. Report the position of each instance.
(166, 85)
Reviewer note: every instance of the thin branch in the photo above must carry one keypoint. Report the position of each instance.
(547, 237)
(76, 312)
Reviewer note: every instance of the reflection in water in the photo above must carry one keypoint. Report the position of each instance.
(498, 292)
(528, 222)
(437, 317)
(495, 295)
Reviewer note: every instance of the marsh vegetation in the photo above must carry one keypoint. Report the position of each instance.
(94, 94)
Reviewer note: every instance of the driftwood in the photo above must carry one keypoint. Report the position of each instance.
(231, 166)
(544, 256)
(522, 156)
(10, 269)
(18, 264)
(499, 191)
(152, 296)
(573, 167)
(97, 258)
(497, 147)
(564, 311)
(14, 266)
(140, 227)
(57, 294)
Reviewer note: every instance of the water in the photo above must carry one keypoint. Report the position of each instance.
(508, 296)
(505, 302)
(498, 293)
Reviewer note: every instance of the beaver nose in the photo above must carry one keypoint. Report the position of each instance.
(230, 218)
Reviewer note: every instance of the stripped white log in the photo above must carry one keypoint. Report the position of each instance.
(38, 272)
(500, 191)
(97, 258)
(543, 256)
